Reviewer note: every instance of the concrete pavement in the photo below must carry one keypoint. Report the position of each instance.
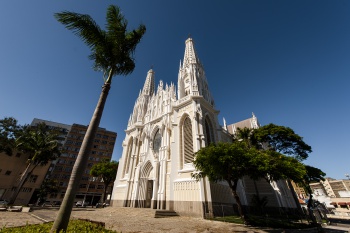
(140, 220)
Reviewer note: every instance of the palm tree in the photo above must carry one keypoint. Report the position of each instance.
(244, 134)
(112, 52)
(42, 146)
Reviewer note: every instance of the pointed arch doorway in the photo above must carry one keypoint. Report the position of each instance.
(146, 186)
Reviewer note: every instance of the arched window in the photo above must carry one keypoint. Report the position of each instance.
(209, 135)
(127, 157)
(187, 141)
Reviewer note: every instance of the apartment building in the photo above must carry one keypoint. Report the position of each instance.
(90, 188)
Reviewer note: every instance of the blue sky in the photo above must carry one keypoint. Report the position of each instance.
(286, 61)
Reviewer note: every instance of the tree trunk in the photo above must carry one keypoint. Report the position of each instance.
(62, 219)
(238, 200)
(104, 193)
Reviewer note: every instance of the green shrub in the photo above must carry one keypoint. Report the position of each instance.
(74, 226)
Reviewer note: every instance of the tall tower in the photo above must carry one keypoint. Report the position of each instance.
(191, 78)
(140, 107)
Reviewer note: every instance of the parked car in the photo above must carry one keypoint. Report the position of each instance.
(56, 203)
(82, 204)
(46, 203)
(3, 202)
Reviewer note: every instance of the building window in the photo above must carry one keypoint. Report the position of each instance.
(7, 173)
(187, 141)
(33, 178)
(67, 169)
(26, 190)
(209, 136)
(127, 157)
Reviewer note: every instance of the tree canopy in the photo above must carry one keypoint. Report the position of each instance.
(107, 170)
(41, 143)
(111, 49)
(230, 162)
(9, 131)
(281, 139)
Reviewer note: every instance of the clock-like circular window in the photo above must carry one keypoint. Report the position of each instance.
(157, 140)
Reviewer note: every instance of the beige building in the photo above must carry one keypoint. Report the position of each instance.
(11, 168)
(331, 187)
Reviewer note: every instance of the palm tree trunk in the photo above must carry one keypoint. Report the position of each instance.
(62, 219)
(22, 181)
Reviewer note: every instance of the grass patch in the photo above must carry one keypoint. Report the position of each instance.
(262, 221)
(276, 222)
(74, 226)
(231, 219)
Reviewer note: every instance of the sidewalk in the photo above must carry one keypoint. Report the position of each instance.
(139, 220)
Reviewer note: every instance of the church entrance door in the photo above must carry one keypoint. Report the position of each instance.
(149, 193)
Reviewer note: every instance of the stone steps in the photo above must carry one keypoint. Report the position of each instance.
(165, 214)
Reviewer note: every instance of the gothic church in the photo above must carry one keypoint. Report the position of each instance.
(164, 130)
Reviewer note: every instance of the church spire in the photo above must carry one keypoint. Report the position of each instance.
(191, 79)
(148, 88)
(190, 56)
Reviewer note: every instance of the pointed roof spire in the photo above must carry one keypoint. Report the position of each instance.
(148, 88)
(190, 53)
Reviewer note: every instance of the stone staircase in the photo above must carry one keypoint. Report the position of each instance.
(165, 214)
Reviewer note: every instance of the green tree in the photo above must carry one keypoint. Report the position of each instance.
(243, 134)
(112, 52)
(281, 139)
(230, 162)
(107, 170)
(42, 146)
(9, 131)
(49, 186)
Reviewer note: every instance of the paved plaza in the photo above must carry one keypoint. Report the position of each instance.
(133, 220)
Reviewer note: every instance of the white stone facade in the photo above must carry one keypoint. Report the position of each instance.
(164, 130)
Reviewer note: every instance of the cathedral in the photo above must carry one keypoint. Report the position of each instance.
(166, 127)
